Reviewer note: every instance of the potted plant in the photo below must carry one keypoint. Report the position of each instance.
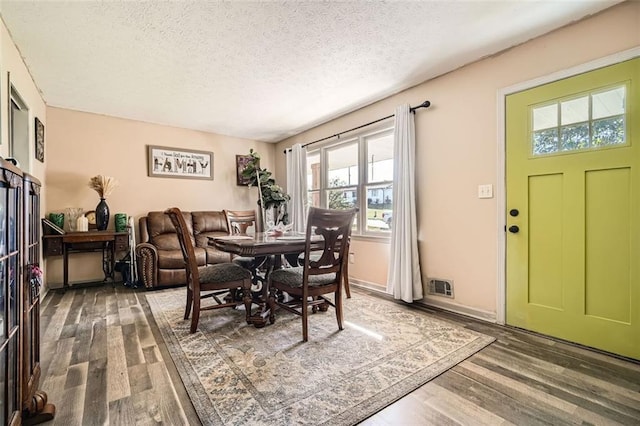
(271, 196)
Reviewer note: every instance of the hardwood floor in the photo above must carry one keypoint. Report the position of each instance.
(104, 362)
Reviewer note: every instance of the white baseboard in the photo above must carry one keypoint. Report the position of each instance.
(459, 309)
(431, 302)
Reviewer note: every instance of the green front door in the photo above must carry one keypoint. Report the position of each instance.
(573, 209)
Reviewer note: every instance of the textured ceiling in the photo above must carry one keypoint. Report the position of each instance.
(259, 70)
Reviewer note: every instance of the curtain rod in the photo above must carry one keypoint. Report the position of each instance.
(425, 104)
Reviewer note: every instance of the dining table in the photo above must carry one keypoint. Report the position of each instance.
(275, 250)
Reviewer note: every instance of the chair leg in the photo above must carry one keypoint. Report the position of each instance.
(305, 319)
(187, 309)
(195, 317)
(338, 302)
(247, 302)
(345, 277)
(272, 304)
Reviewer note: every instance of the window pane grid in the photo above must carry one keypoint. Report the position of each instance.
(587, 122)
(357, 173)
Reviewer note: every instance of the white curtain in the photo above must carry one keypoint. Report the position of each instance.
(404, 280)
(297, 187)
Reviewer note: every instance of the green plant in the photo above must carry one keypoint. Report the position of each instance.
(337, 199)
(271, 194)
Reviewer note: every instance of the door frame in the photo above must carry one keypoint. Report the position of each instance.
(501, 195)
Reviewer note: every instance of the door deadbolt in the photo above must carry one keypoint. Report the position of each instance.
(514, 212)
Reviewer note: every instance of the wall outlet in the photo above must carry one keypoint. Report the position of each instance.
(485, 191)
(352, 258)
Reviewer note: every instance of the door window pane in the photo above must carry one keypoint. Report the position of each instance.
(545, 117)
(12, 232)
(13, 291)
(575, 136)
(342, 166)
(609, 103)
(3, 297)
(575, 110)
(608, 131)
(545, 141)
(3, 387)
(3, 219)
(12, 375)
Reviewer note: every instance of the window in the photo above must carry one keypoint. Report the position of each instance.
(589, 121)
(19, 130)
(358, 173)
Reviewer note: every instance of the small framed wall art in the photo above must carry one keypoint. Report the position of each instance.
(241, 162)
(39, 130)
(179, 163)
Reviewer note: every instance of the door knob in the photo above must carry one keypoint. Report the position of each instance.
(514, 229)
(514, 212)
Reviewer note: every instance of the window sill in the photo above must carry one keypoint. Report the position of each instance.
(384, 239)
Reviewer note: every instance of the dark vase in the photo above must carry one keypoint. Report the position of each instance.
(102, 215)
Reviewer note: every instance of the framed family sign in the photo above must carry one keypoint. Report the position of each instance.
(179, 163)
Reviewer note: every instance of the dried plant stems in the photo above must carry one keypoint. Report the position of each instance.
(103, 185)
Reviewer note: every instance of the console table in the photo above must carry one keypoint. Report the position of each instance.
(108, 242)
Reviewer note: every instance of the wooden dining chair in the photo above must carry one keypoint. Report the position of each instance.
(210, 281)
(238, 222)
(319, 275)
(345, 271)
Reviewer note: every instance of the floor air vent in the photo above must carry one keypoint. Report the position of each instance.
(441, 287)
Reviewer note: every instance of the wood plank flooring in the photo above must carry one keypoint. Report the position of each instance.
(104, 362)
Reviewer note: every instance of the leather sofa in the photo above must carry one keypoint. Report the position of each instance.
(160, 260)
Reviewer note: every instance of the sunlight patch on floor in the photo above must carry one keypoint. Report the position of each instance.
(365, 330)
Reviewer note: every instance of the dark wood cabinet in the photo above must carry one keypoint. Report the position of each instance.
(11, 201)
(20, 280)
(34, 401)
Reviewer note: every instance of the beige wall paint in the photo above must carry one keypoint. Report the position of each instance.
(11, 62)
(81, 145)
(457, 151)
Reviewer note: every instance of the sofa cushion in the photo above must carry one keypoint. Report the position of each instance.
(173, 259)
(160, 258)
(210, 224)
(162, 233)
(207, 222)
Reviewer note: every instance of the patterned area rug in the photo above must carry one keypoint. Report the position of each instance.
(237, 374)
